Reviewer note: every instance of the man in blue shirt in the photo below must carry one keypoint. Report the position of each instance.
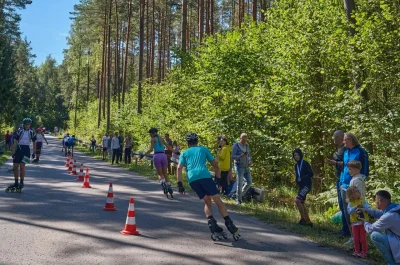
(353, 152)
(195, 159)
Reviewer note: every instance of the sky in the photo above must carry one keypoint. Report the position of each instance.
(46, 25)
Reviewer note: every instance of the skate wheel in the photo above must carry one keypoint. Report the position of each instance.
(236, 237)
(224, 235)
(213, 237)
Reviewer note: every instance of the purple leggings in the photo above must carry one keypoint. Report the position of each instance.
(160, 160)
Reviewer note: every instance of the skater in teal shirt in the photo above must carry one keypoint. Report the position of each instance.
(195, 160)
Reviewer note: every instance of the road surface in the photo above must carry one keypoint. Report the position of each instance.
(55, 221)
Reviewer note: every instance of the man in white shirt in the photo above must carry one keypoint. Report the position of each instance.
(105, 145)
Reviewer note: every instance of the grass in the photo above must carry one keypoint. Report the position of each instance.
(278, 210)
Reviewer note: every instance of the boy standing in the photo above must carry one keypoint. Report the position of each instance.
(304, 176)
(358, 179)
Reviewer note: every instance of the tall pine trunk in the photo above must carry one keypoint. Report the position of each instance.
(141, 42)
(126, 52)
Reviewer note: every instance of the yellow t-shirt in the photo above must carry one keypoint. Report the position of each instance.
(224, 158)
(353, 216)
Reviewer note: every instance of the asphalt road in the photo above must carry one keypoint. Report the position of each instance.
(55, 221)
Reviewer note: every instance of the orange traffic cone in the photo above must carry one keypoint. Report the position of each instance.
(81, 175)
(73, 172)
(130, 226)
(71, 163)
(86, 180)
(110, 201)
(67, 163)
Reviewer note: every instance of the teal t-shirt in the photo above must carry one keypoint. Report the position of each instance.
(158, 146)
(195, 159)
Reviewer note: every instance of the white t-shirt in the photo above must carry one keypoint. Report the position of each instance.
(105, 141)
(25, 138)
(39, 138)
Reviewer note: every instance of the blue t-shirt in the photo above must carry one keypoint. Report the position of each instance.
(195, 159)
(356, 153)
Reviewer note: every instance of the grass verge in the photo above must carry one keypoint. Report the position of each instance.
(284, 217)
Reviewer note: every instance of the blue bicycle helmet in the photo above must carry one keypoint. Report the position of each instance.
(26, 121)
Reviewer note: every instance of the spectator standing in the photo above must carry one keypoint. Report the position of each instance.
(224, 164)
(128, 149)
(304, 176)
(242, 157)
(115, 146)
(168, 152)
(93, 143)
(105, 142)
(357, 179)
(337, 162)
(7, 139)
(121, 146)
(353, 152)
(175, 154)
(388, 216)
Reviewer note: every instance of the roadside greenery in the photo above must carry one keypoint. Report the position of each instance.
(287, 83)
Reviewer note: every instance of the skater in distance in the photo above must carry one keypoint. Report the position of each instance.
(195, 160)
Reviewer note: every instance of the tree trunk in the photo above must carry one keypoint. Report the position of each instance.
(77, 85)
(126, 51)
(263, 9)
(109, 70)
(100, 95)
(88, 81)
(116, 70)
(207, 6)
(153, 40)
(147, 42)
(212, 17)
(104, 59)
(160, 38)
(141, 42)
(184, 25)
(254, 2)
(201, 19)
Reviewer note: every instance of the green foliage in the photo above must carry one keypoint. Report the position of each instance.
(288, 83)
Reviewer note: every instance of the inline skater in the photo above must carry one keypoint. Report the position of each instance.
(21, 153)
(65, 143)
(39, 142)
(200, 180)
(159, 159)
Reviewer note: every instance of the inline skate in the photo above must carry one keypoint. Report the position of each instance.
(217, 233)
(232, 229)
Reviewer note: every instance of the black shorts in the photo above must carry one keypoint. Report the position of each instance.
(22, 150)
(302, 194)
(203, 187)
(104, 149)
(38, 147)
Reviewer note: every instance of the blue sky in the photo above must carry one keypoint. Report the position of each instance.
(46, 24)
